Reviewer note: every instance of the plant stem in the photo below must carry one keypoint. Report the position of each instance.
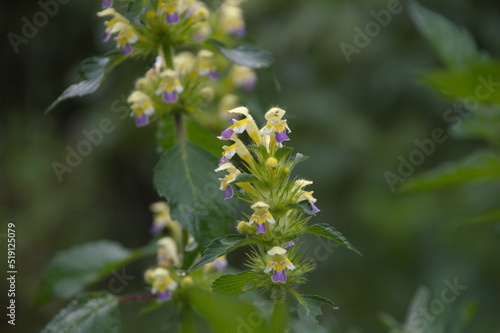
(178, 126)
(187, 325)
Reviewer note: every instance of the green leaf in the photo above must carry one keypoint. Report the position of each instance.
(92, 74)
(327, 231)
(480, 166)
(94, 312)
(165, 134)
(480, 82)
(220, 247)
(244, 55)
(202, 137)
(235, 284)
(491, 216)
(308, 307)
(135, 10)
(72, 270)
(227, 314)
(184, 177)
(483, 125)
(454, 45)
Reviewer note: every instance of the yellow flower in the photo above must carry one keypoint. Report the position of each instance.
(277, 261)
(205, 65)
(233, 173)
(275, 124)
(231, 19)
(142, 107)
(162, 284)
(170, 87)
(243, 77)
(261, 215)
(167, 252)
(126, 35)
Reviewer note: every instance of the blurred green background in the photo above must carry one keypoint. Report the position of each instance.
(352, 119)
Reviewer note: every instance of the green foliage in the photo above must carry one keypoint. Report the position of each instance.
(456, 46)
(235, 284)
(182, 177)
(202, 137)
(91, 312)
(329, 232)
(220, 247)
(135, 9)
(308, 307)
(70, 271)
(92, 74)
(466, 83)
(480, 166)
(244, 55)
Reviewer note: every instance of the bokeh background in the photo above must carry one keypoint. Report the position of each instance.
(352, 119)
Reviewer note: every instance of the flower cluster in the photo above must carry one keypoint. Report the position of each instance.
(181, 82)
(261, 171)
(165, 278)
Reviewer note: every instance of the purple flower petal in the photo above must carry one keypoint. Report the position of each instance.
(249, 84)
(164, 295)
(228, 192)
(172, 18)
(156, 229)
(107, 3)
(315, 209)
(105, 37)
(241, 32)
(214, 76)
(170, 96)
(281, 136)
(127, 49)
(279, 276)
(227, 134)
(290, 243)
(141, 120)
(261, 228)
(220, 265)
(223, 160)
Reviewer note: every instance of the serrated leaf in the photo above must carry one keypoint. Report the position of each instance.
(480, 166)
(308, 307)
(72, 270)
(220, 247)
(329, 232)
(135, 10)
(92, 74)
(480, 82)
(454, 45)
(95, 312)
(235, 284)
(244, 55)
(184, 177)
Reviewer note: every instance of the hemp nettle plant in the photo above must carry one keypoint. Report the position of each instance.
(192, 94)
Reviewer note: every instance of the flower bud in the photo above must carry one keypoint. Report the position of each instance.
(271, 163)
(207, 93)
(186, 282)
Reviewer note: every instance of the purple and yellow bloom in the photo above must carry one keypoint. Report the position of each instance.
(167, 252)
(171, 9)
(277, 125)
(126, 35)
(231, 19)
(243, 77)
(277, 262)
(225, 183)
(162, 283)
(142, 107)
(205, 64)
(260, 216)
(305, 195)
(170, 87)
(239, 126)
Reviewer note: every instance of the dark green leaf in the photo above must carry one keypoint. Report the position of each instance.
(244, 55)
(72, 270)
(454, 45)
(95, 312)
(135, 10)
(308, 307)
(222, 246)
(202, 137)
(235, 284)
(165, 134)
(184, 177)
(483, 125)
(327, 231)
(92, 73)
(491, 216)
(227, 314)
(481, 166)
(480, 82)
